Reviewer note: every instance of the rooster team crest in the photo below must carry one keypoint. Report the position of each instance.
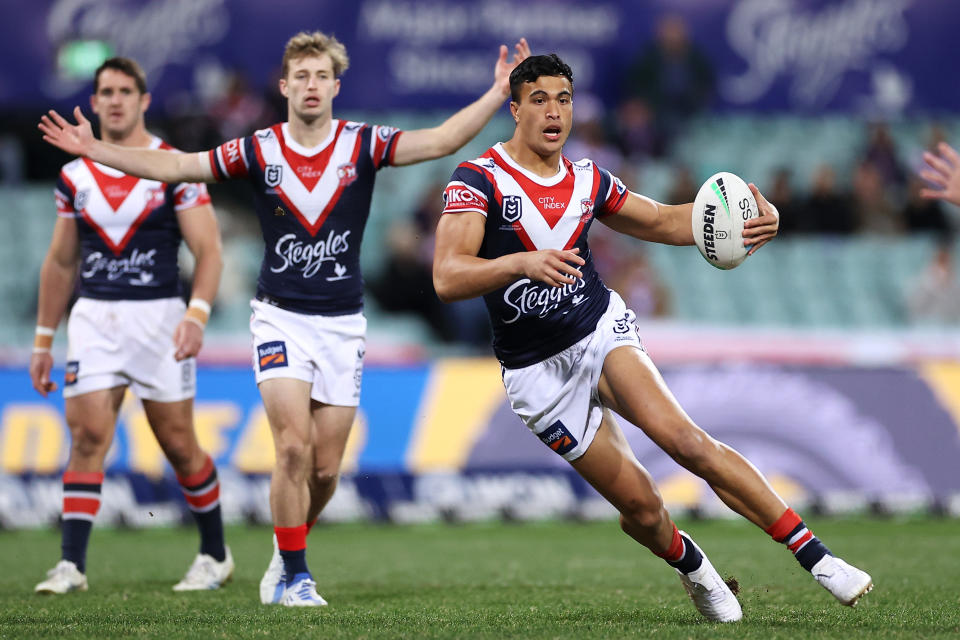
(512, 208)
(154, 197)
(586, 209)
(347, 173)
(273, 174)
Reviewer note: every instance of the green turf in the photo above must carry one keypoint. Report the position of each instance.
(490, 581)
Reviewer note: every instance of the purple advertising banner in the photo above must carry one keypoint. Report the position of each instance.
(804, 56)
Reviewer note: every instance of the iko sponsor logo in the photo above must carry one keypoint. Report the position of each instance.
(526, 298)
(709, 247)
(308, 258)
(461, 195)
(558, 438)
(231, 152)
(271, 355)
(138, 263)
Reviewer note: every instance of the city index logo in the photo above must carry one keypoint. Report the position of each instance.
(558, 438)
(271, 355)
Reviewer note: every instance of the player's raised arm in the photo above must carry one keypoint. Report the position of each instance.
(153, 164)
(459, 274)
(427, 144)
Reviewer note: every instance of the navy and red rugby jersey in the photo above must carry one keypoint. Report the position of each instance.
(127, 227)
(532, 320)
(313, 206)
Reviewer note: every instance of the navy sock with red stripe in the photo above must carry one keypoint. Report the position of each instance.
(790, 530)
(292, 543)
(81, 502)
(202, 492)
(682, 554)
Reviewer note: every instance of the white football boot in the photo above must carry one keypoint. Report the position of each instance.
(271, 584)
(206, 573)
(63, 578)
(302, 592)
(710, 594)
(847, 583)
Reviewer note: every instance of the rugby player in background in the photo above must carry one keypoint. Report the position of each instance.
(514, 230)
(129, 327)
(313, 176)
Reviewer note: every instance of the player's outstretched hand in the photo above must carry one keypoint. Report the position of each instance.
(944, 171)
(76, 139)
(501, 72)
(761, 230)
(552, 266)
(40, 366)
(188, 338)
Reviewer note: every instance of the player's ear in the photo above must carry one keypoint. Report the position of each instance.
(283, 87)
(145, 101)
(336, 87)
(93, 102)
(514, 110)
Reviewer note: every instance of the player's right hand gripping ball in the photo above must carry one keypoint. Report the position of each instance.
(723, 204)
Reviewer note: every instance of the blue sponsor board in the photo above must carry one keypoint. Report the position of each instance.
(809, 55)
(440, 441)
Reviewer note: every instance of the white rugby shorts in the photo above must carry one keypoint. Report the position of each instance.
(557, 398)
(326, 351)
(127, 343)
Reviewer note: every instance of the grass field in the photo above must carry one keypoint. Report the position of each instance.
(547, 580)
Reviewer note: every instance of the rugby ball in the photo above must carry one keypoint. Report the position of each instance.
(723, 204)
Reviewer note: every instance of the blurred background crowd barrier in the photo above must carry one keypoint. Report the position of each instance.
(831, 358)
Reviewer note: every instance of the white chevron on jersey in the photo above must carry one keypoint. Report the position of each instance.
(110, 202)
(311, 205)
(565, 230)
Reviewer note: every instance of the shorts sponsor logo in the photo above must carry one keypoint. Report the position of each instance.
(273, 175)
(186, 375)
(70, 375)
(512, 208)
(271, 355)
(558, 438)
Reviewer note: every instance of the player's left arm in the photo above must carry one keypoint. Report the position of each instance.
(198, 225)
(647, 219)
(427, 144)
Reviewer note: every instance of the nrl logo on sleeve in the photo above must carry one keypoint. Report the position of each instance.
(272, 354)
(558, 438)
(273, 174)
(80, 200)
(512, 208)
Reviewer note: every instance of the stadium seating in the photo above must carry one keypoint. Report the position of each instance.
(799, 281)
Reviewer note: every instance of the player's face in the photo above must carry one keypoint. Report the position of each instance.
(545, 114)
(310, 87)
(118, 103)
